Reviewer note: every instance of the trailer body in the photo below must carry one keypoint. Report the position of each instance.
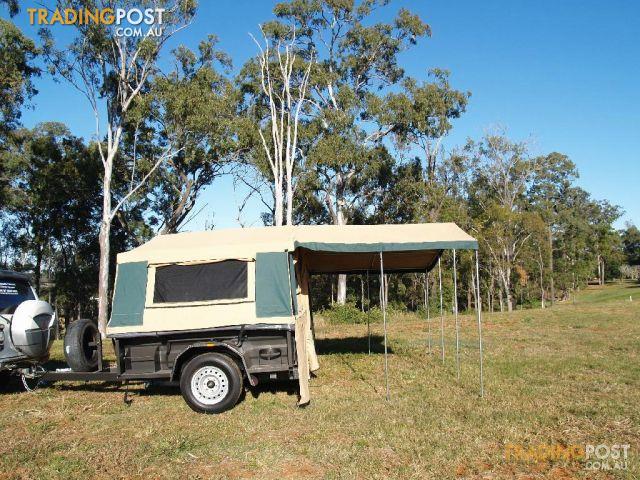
(211, 310)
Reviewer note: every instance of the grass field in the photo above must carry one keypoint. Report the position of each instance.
(566, 376)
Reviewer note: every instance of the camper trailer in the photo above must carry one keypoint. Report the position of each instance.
(212, 310)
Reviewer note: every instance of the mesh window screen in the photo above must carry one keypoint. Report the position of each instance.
(195, 283)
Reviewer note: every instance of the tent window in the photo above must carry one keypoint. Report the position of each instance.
(225, 280)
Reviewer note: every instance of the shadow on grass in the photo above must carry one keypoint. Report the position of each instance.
(331, 346)
(52, 365)
(290, 387)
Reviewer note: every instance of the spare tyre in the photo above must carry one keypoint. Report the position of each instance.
(81, 346)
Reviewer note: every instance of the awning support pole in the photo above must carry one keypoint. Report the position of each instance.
(426, 307)
(383, 302)
(368, 314)
(479, 314)
(455, 311)
(441, 312)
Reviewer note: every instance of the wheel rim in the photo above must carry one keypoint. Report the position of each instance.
(89, 344)
(209, 385)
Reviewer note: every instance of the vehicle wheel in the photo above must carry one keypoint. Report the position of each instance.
(81, 346)
(211, 383)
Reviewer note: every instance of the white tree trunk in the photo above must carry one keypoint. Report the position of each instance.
(289, 216)
(342, 278)
(285, 108)
(342, 289)
(103, 239)
(278, 204)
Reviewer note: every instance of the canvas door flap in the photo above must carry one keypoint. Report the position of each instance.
(273, 285)
(129, 295)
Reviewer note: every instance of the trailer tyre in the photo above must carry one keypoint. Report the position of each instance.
(81, 347)
(211, 383)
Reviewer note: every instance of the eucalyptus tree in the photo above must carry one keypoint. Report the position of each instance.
(605, 240)
(631, 244)
(110, 71)
(192, 111)
(501, 178)
(555, 175)
(354, 57)
(283, 81)
(420, 115)
(17, 70)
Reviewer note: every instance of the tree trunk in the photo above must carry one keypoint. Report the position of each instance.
(278, 212)
(103, 239)
(289, 219)
(180, 211)
(492, 291)
(342, 278)
(103, 277)
(38, 273)
(341, 297)
(332, 291)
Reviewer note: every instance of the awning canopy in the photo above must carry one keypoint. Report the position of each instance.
(357, 248)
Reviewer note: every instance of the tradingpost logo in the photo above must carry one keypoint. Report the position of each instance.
(129, 22)
(592, 456)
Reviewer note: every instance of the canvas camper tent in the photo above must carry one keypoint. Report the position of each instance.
(247, 290)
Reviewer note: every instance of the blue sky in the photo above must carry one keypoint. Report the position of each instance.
(564, 75)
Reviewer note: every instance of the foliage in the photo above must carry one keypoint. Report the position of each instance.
(54, 212)
(192, 109)
(350, 313)
(631, 244)
(17, 69)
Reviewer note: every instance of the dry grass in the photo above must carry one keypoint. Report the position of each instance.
(567, 375)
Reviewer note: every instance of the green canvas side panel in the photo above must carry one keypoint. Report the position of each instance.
(388, 247)
(129, 295)
(294, 284)
(273, 295)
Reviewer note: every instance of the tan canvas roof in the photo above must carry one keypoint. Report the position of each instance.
(337, 239)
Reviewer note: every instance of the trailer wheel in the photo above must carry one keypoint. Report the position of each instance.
(81, 346)
(211, 383)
